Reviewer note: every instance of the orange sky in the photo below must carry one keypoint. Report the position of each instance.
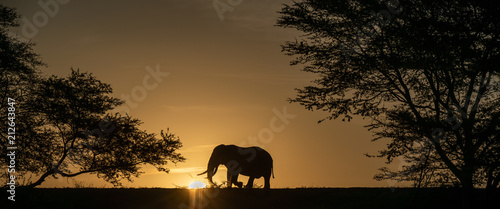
(225, 78)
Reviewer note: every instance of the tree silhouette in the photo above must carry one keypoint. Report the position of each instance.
(18, 76)
(425, 72)
(66, 126)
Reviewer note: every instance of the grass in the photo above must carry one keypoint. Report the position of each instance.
(237, 198)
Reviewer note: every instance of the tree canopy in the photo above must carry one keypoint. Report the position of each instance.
(426, 74)
(65, 126)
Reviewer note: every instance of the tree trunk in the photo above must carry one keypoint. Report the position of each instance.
(467, 189)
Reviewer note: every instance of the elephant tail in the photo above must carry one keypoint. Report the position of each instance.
(272, 172)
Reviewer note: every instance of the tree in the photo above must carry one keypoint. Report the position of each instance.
(66, 126)
(84, 137)
(426, 74)
(18, 74)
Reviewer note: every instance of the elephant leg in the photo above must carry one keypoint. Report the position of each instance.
(239, 184)
(250, 182)
(236, 182)
(233, 179)
(267, 185)
(229, 180)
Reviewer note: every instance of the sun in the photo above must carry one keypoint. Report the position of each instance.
(197, 185)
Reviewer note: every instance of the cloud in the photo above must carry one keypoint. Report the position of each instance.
(188, 170)
(199, 148)
(210, 108)
(203, 108)
(267, 78)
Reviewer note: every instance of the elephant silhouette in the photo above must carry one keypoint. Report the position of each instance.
(253, 162)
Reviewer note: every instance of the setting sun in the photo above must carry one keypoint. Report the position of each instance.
(197, 185)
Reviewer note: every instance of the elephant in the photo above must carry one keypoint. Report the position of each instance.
(253, 162)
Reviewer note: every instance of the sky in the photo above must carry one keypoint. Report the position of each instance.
(211, 76)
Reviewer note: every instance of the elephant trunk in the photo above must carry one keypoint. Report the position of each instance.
(211, 170)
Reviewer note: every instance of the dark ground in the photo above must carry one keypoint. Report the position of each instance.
(94, 198)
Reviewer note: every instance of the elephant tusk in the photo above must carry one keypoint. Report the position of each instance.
(202, 173)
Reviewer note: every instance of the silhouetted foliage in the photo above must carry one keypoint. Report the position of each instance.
(65, 126)
(425, 72)
(18, 77)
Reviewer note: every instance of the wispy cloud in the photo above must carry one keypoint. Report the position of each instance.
(210, 108)
(267, 78)
(188, 170)
(203, 108)
(199, 148)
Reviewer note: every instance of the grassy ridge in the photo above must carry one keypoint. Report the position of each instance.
(237, 198)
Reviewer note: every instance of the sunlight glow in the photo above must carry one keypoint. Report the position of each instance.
(197, 185)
